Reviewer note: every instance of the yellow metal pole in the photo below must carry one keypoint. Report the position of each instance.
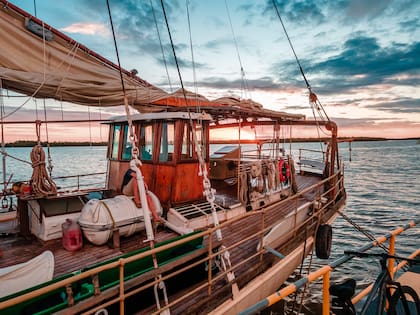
(326, 293)
(122, 297)
(391, 252)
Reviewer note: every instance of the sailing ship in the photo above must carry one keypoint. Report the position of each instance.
(177, 229)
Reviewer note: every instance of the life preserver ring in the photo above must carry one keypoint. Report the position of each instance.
(323, 241)
(284, 171)
(150, 200)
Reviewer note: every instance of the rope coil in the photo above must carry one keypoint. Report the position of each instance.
(41, 182)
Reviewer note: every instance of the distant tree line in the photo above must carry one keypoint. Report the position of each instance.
(26, 143)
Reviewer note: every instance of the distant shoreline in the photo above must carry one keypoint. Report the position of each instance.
(25, 143)
(296, 140)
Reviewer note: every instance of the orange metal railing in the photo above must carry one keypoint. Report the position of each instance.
(325, 271)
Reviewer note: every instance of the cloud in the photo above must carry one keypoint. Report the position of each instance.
(134, 21)
(183, 63)
(404, 105)
(265, 84)
(411, 25)
(360, 63)
(300, 12)
(87, 29)
(361, 9)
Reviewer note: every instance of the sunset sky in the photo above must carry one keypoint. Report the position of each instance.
(360, 57)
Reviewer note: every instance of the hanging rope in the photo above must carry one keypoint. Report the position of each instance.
(312, 96)
(192, 52)
(161, 46)
(50, 166)
(208, 192)
(132, 136)
(41, 182)
(243, 78)
(3, 145)
(135, 165)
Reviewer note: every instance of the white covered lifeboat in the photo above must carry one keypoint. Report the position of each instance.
(99, 218)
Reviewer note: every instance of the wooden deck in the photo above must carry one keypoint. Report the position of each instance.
(17, 250)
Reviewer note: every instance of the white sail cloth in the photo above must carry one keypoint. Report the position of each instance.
(62, 68)
(26, 275)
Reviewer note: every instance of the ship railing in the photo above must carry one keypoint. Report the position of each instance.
(324, 273)
(81, 181)
(127, 288)
(74, 183)
(311, 161)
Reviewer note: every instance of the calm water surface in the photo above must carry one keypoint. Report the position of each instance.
(382, 182)
(383, 192)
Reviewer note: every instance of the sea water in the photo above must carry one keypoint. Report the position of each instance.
(383, 192)
(382, 181)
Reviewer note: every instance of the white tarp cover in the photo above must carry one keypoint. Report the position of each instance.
(63, 69)
(19, 277)
(58, 69)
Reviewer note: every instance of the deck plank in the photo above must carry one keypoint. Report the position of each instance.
(17, 250)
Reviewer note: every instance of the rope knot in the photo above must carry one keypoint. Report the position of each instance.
(41, 182)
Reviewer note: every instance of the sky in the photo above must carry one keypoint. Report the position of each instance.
(361, 57)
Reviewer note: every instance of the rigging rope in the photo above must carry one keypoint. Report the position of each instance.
(50, 166)
(132, 136)
(161, 46)
(135, 165)
(312, 96)
(209, 192)
(3, 146)
(192, 52)
(243, 79)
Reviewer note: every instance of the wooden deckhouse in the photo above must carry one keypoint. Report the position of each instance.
(167, 151)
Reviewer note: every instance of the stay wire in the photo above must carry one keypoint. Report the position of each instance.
(312, 96)
(243, 78)
(3, 145)
(50, 166)
(161, 46)
(175, 57)
(192, 51)
(208, 191)
(115, 45)
(200, 158)
(291, 45)
(133, 139)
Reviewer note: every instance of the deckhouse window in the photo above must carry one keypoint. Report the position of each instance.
(127, 146)
(188, 151)
(146, 142)
(166, 152)
(115, 141)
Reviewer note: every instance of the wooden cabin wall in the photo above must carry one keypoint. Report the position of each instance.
(187, 184)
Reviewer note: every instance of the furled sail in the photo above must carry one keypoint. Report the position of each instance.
(39, 61)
